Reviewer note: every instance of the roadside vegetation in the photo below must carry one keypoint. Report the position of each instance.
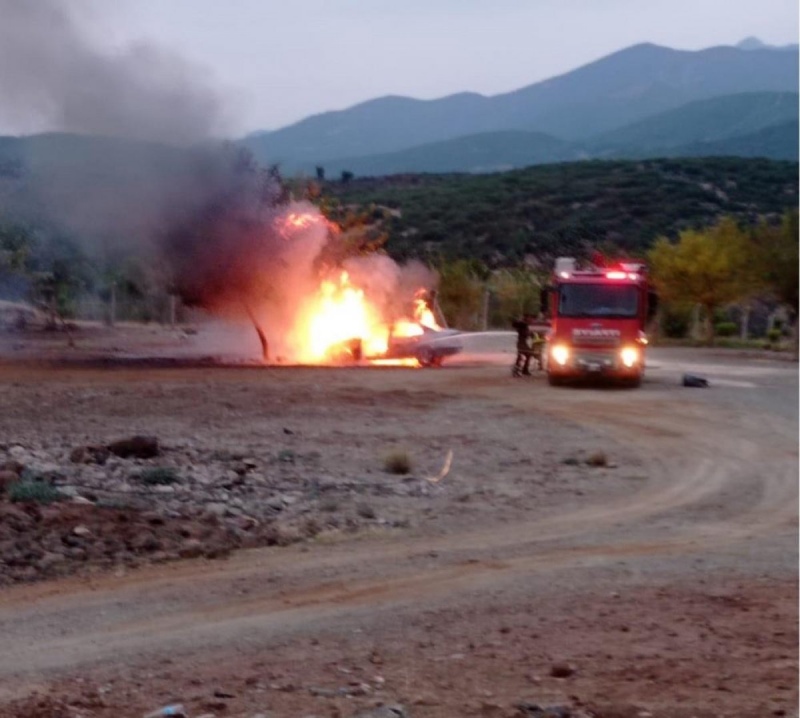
(719, 233)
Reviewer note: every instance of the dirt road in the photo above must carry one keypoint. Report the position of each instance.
(671, 591)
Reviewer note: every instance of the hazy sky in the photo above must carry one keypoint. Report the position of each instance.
(279, 61)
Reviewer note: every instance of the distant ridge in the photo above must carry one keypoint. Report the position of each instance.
(602, 96)
(753, 43)
(763, 124)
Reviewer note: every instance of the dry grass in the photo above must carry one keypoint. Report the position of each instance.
(397, 461)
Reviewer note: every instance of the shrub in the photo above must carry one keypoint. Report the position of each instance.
(774, 336)
(725, 329)
(159, 476)
(32, 491)
(397, 462)
(365, 511)
(598, 458)
(675, 323)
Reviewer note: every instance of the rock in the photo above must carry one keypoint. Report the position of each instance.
(49, 560)
(561, 670)
(392, 711)
(426, 700)
(13, 466)
(18, 453)
(136, 447)
(488, 708)
(695, 382)
(81, 531)
(191, 548)
(275, 503)
(89, 455)
(533, 710)
(146, 541)
(6, 479)
(176, 710)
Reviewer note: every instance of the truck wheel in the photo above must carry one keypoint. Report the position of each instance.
(634, 382)
(554, 380)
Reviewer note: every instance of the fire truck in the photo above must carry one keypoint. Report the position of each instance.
(598, 318)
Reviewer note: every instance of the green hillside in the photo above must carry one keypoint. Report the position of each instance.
(555, 209)
(777, 142)
(704, 121)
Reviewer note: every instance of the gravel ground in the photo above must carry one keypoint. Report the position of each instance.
(659, 582)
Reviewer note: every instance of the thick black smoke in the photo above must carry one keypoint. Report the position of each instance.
(143, 177)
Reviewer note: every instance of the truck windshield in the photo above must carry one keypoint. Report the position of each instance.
(598, 300)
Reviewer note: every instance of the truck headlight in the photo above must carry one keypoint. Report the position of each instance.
(629, 356)
(560, 354)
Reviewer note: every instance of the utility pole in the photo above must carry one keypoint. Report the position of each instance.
(112, 309)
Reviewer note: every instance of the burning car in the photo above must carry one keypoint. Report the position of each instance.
(410, 342)
(429, 349)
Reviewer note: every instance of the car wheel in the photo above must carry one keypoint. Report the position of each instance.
(425, 357)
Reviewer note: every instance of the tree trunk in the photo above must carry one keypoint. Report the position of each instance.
(694, 330)
(745, 322)
(262, 338)
(709, 324)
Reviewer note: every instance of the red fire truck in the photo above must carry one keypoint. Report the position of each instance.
(598, 317)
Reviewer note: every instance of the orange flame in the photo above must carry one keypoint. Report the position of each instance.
(295, 221)
(340, 321)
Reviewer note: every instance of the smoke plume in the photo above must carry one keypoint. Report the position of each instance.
(144, 178)
(51, 77)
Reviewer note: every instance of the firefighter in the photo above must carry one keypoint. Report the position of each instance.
(538, 338)
(522, 365)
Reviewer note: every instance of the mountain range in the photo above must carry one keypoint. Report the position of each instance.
(642, 101)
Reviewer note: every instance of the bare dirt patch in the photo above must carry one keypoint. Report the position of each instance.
(254, 457)
(532, 580)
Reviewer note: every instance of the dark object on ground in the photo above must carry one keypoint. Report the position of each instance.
(89, 455)
(561, 670)
(137, 447)
(534, 710)
(695, 382)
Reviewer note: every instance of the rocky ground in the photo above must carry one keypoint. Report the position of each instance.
(263, 465)
(589, 552)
